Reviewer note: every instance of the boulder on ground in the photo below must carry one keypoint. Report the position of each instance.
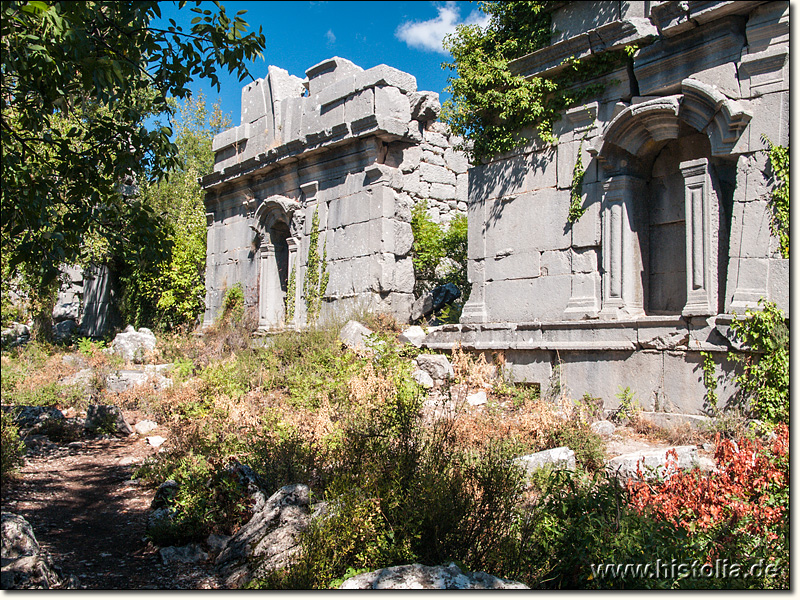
(435, 365)
(191, 554)
(134, 345)
(145, 426)
(107, 418)
(651, 463)
(24, 564)
(29, 416)
(421, 577)
(422, 378)
(269, 540)
(477, 399)
(64, 330)
(413, 335)
(353, 334)
(603, 428)
(15, 335)
(555, 458)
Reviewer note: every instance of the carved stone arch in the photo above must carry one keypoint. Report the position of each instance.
(278, 259)
(626, 151)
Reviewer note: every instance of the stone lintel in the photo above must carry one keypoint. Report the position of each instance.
(613, 36)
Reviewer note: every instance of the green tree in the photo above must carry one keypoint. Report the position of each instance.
(171, 291)
(79, 81)
(495, 110)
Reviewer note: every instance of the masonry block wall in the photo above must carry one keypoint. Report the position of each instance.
(676, 235)
(359, 148)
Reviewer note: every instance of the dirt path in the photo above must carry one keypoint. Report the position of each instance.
(91, 518)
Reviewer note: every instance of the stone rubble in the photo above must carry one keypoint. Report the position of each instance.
(421, 577)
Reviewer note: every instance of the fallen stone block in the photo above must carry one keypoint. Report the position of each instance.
(556, 458)
(413, 335)
(652, 463)
(422, 577)
(435, 365)
(353, 334)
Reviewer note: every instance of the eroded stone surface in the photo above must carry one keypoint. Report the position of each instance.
(421, 577)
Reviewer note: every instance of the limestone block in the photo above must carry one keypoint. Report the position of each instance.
(526, 299)
(752, 228)
(683, 390)
(602, 373)
(764, 72)
(413, 185)
(456, 161)
(435, 174)
(381, 203)
(433, 158)
(723, 77)
(329, 72)
(413, 335)
(586, 231)
(567, 155)
(441, 191)
(751, 180)
(384, 75)
(359, 106)
(351, 241)
(532, 366)
(340, 278)
(660, 67)
(364, 273)
(555, 458)
(513, 265)
(348, 210)
(402, 208)
(768, 25)
(436, 139)
(705, 335)
(555, 262)
(510, 223)
(577, 123)
(425, 106)
(462, 188)
(580, 17)
(585, 260)
(779, 283)
(666, 337)
(404, 276)
(391, 103)
(651, 463)
(403, 237)
(770, 119)
(411, 158)
(255, 101)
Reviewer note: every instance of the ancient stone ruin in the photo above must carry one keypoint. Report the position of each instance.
(676, 186)
(358, 148)
(676, 234)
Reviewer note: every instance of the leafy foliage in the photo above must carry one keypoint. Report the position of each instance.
(12, 449)
(170, 292)
(316, 279)
(433, 244)
(576, 210)
(496, 110)
(765, 378)
(779, 163)
(79, 81)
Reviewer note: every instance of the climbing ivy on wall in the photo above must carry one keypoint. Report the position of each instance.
(316, 280)
(490, 107)
(291, 288)
(779, 163)
(576, 210)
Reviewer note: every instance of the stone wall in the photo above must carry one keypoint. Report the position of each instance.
(359, 147)
(676, 233)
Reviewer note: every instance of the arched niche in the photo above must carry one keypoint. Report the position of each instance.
(663, 213)
(278, 250)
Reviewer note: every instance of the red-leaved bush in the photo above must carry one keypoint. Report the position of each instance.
(745, 501)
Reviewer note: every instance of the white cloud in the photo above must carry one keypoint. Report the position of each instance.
(428, 35)
(330, 36)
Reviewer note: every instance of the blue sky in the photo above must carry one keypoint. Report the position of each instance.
(404, 35)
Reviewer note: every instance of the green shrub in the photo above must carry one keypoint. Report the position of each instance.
(12, 449)
(233, 303)
(765, 377)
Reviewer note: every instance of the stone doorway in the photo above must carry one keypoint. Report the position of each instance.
(278, 252)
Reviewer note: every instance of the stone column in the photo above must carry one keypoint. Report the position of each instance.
(293, 246)
(700, 254)
(622, 256)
